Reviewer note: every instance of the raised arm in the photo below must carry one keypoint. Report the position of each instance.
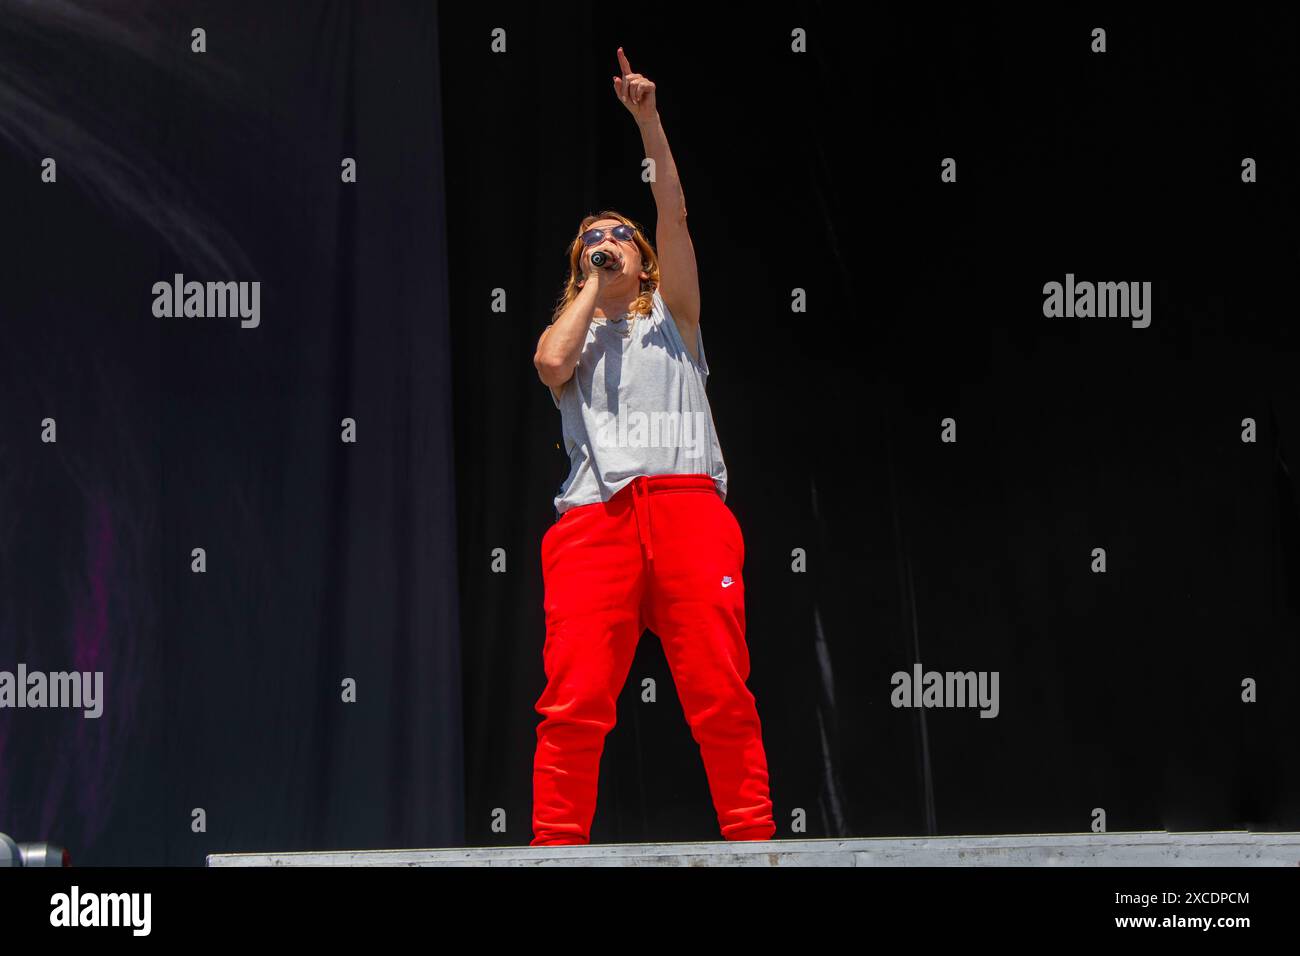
(679, 282)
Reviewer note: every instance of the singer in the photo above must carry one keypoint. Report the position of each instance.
(643, 536)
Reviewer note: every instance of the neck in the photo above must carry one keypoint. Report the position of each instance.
(614, 305)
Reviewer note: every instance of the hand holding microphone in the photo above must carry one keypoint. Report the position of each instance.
(601, 262)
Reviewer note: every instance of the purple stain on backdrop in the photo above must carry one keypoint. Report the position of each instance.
(96, 738)
(60, 769)
(82, 773)
(90, 616)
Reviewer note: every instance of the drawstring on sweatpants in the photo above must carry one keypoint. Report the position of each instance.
(642, 507)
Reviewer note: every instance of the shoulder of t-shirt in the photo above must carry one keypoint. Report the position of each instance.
(659, 310)
(659, 314)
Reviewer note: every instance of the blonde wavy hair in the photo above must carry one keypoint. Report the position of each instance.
(649, 264)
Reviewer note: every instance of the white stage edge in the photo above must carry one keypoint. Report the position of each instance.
(1144, 848)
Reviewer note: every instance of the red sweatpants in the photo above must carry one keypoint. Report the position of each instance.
(665, 553)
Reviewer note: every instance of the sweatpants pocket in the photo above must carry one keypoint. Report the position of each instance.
(734, 533)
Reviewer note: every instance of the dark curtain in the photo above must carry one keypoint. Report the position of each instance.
(326, 561)
(820, 171)
(332, 561)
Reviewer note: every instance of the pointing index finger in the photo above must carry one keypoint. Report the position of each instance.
(625, 66)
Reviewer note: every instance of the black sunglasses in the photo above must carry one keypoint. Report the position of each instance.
(621, 231)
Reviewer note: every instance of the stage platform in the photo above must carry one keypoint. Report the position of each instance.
(1144, 848)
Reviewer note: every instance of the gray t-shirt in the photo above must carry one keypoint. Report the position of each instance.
(636, 406)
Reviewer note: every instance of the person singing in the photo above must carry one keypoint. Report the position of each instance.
(642, 535)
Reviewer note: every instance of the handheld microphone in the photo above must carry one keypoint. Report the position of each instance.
(598, 259)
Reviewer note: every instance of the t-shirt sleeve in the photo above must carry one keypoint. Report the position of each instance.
(551, 392)
(676, 335)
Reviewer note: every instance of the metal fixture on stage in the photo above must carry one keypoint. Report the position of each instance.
(31, 854)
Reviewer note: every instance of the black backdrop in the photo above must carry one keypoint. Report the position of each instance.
(820, 171)
(326, 561)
